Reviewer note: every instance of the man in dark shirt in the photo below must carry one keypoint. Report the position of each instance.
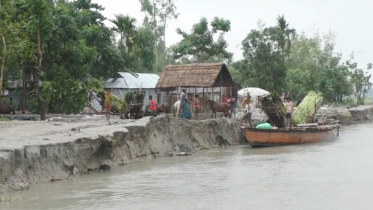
(299, 100)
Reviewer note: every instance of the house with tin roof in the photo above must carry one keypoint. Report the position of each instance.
(123, 82)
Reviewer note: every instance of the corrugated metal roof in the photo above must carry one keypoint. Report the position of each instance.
(128, 81)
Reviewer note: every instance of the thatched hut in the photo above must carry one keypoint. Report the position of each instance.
(211, 79)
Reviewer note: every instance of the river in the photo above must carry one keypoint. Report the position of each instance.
(335, 174)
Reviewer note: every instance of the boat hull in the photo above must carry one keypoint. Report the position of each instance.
(278, 137)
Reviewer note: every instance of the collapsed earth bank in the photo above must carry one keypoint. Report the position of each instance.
(346, 115)
(124, 143)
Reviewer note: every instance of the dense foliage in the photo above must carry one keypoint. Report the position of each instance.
(279, 60)
(61, 50)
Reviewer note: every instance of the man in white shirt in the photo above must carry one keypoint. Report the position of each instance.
(248, 110)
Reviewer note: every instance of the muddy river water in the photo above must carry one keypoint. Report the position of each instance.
(336, 174)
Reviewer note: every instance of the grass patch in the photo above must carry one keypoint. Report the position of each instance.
(4, 119)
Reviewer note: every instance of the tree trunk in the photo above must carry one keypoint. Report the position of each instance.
(38, 70)
(156, 38)
(128, 57)
(24, 91)
(2, 68)
(154, 23)
(164, 35)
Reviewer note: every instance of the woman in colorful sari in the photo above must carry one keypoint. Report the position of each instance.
(184, 103)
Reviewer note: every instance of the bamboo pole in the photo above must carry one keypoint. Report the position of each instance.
(2, 68)
(194, 98)
(211, 92)
(325, 112)
(221, 94)
(203, 93)
(171, 106)
(177, 92)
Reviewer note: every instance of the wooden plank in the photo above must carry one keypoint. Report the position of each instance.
(308, 125)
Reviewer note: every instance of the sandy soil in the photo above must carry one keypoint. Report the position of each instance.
(16, 134)
(66, 128)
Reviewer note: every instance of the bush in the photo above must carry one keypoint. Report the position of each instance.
(67, 95)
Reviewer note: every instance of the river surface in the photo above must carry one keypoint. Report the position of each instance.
(335, 174)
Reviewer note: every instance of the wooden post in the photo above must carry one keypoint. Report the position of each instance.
(203, 93)
(211, 92)
(221, 95)
(194, 98)
(171, 106)
(160, 96)
(177, 92)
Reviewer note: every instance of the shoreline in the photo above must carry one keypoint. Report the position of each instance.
(85, 147)
(62, 148)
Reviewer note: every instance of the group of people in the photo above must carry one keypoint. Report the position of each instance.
(231, 103)
(248, 109)
(185, 104)
(186, 110)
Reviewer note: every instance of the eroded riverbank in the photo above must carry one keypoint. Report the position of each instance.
(346, 115)
(33, 152)
(326, 175)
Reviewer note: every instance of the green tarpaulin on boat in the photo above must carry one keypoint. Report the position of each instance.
(264, 126)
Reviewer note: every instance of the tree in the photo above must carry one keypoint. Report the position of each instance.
(157, 14)
(264, 61)
(285, 38)
(360, 81)
(89, 20)
(20, 52)
(125, 26)
(298, 81)
(2, 67)
(39, 26)
(143, 52)
(327, 74)
(75, 52)
(200, 46)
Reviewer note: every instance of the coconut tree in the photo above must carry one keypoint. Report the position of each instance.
(287, 32)
(125, 26)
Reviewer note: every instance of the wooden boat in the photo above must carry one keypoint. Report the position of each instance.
(302, 133)
(299, 135)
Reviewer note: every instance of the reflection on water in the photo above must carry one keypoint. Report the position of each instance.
(334, 174)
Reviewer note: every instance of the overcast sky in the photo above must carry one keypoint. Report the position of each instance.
(350, 20)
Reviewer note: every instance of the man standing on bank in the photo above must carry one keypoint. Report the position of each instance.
(289, 112)
(108, 104)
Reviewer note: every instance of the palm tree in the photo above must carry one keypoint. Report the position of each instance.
(126, 28)
(285, 45)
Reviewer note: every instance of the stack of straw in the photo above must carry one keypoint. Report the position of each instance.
(307, 108)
